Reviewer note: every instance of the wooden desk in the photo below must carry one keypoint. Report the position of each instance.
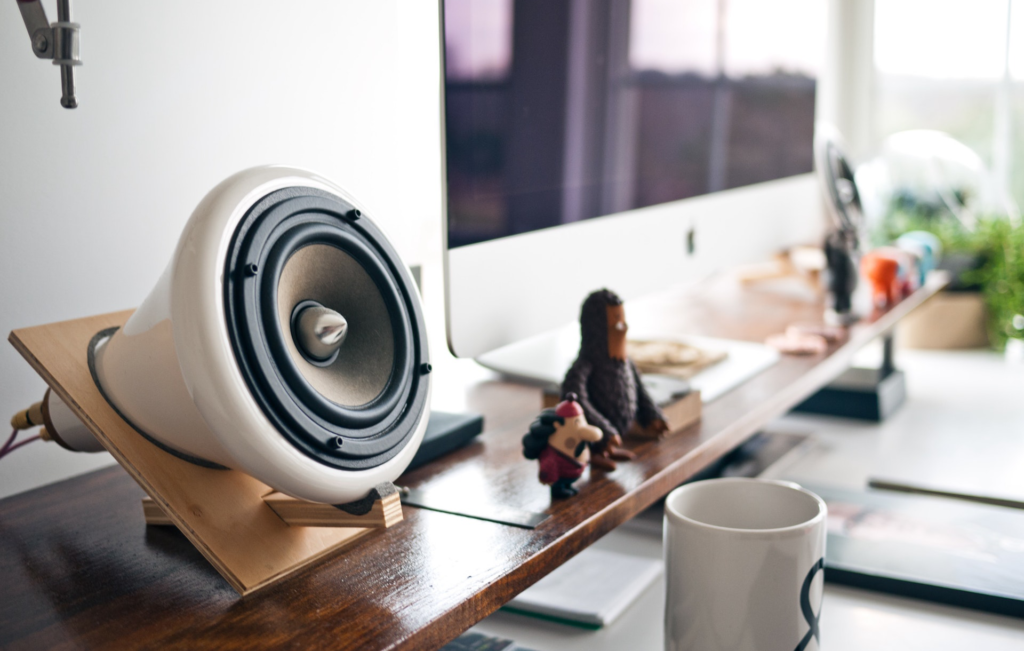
(78, 567)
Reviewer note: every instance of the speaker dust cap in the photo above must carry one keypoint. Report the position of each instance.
(325, 328)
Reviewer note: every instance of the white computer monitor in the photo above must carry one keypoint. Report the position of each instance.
(634, 145)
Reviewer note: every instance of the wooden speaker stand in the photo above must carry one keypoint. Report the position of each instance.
(251, 535)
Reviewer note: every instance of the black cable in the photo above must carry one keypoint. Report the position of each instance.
(91, 356)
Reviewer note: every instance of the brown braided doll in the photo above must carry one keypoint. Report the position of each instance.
(607, 384)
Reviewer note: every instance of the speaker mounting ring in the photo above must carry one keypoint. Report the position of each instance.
(274, 229)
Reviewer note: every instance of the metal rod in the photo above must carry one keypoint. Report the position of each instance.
(897, 487)
(67, 87)
(888, 365)
(69, 51)
(58, 42)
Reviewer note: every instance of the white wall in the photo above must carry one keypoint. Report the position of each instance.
(174, 97)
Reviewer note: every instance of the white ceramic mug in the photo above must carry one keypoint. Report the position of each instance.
(743, 566)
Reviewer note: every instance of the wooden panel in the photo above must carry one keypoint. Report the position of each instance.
(81, 570)
(220, 511)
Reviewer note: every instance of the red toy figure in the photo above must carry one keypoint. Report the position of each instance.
(558, 438)
(884, 275)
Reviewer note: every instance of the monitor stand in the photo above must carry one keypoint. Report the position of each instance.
(544, 359)
(864, 393)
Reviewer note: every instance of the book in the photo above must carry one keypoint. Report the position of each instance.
(472, 641)
(590, 590)
(932, 548)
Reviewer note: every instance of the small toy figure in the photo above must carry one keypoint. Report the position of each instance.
(926, 247)
(607, 383)
(558, 438)
(884, 275)
(909, 268)
(842, 276)
(842, 243)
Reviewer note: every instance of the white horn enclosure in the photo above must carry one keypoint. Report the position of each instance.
(285, 339)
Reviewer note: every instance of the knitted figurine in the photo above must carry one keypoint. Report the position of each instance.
(840, 252)
(608, 384)
(558, 439)
(842, 243)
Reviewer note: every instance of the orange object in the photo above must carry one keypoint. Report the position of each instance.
(909, 274)
(884, 275)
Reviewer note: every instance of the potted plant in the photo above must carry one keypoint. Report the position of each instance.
(986, 292)
(1000, 243)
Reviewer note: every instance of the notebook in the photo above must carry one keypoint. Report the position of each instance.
(473, 641)
(933, 548)
(590, 590)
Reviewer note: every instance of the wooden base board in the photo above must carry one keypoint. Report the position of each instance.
(222, 512)
(678, 415)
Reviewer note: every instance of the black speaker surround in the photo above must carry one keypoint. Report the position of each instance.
(339, 435)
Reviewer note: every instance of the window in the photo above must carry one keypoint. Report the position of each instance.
(956, 66)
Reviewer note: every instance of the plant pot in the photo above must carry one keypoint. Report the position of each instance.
(949, 321)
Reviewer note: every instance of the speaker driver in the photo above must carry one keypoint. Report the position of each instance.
(319, 286)
(321, 323)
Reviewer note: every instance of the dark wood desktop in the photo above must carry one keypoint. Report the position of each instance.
(80, 569)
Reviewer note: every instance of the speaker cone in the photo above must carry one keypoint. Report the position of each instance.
(320, 282)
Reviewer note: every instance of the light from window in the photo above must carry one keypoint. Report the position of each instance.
(478, 39)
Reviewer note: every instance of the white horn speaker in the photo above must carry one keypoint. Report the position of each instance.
(285, 339)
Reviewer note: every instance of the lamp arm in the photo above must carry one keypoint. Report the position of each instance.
(58, 41)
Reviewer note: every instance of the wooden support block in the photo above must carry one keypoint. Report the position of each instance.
(155, 516)
(386, 512)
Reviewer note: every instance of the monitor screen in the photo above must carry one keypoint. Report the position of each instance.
(563, 110)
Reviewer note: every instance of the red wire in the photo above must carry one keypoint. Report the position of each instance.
(20, 444)
(14, 435)
(11, 446)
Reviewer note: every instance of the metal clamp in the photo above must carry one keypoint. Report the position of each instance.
(59, 42)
